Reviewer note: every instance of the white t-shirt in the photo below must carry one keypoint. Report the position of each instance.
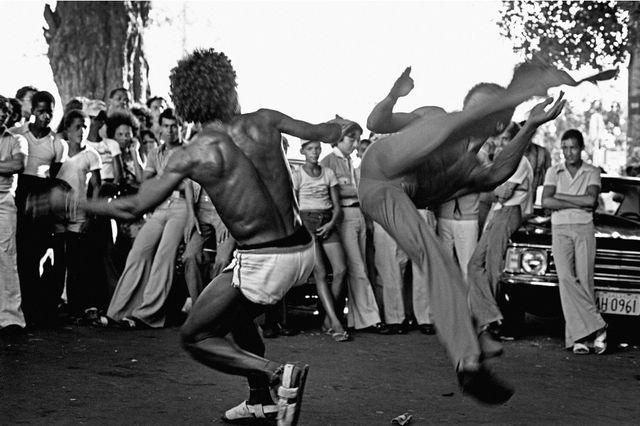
(107, 148)
(76, 171)
(10, 146)
(42, 152)
(313, 192)
(523, 194)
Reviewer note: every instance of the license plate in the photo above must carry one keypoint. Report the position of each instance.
(618, 303)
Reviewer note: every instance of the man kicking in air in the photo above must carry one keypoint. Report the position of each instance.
(239, 161)
(429, 158)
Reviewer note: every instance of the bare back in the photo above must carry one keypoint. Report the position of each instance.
(245, 172)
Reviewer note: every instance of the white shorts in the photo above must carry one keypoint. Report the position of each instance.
(265, 275)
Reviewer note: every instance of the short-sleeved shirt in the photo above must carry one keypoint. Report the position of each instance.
(42, 152)
(76, 170)
(344, 171)
(313, 192)
(157, 161)
(107, 148)
(560, 177)
(11, 146)
(523, 193)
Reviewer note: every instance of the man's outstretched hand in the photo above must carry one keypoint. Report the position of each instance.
(403, 85)
(539, 116)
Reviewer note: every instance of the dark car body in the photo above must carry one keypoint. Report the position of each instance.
(529, 281)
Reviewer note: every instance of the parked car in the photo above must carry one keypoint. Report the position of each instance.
(529, 282)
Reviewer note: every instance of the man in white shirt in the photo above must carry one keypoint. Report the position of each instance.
(46, 154)
(13, 153)
(571, 191)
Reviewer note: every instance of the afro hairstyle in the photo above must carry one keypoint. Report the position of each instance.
(118, 118)
(203, 87)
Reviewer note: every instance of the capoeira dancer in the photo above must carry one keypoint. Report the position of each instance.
(239, 161)
(430, 157)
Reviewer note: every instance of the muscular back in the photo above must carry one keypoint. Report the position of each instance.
(243, 169)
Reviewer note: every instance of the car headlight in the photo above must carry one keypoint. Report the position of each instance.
(534, 262)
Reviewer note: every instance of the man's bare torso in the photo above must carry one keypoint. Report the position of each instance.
(447, 170)
(243, 169)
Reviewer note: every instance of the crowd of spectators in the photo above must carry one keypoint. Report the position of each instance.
(119, 273)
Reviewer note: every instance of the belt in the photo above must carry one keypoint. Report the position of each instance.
(351, 205)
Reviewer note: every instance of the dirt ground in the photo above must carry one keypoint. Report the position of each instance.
(84, 375)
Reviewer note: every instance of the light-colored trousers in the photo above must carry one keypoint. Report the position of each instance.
(363, 309)
(211, 226)
(148, 274)
(388, 204)
(574, 253)
(391, 263)
(10, 299)
(461, 238)
(487, 263)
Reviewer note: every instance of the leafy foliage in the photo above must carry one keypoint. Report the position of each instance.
(570, 33)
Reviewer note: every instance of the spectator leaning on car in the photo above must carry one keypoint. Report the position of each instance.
(571, 191)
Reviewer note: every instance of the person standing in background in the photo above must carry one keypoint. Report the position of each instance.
(13, 157)
(363, 308)
(571, 190)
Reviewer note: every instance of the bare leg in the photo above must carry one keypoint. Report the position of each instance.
(320, 275)
(336, 256)
(219, 310)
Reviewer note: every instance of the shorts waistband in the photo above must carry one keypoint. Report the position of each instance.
(300, 237)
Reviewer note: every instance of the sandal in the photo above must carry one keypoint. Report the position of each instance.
(290, 391)
(244, 413)
(600, 342)
(341, 336)
(580, 349)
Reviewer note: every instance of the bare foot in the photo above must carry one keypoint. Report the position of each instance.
(535, 78)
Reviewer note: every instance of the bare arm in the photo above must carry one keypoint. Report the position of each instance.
(382, 119)
(95, 183)
(590, 199)
(137, 160)
(15, 165)
(325, 132)
(55, 168)
(505, 191)
(117, 169)
(151, 193)
(506, 162)
(192, 220)
(550, 202)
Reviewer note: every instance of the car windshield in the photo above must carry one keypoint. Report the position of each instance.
(620, 197)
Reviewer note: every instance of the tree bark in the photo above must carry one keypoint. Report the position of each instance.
(633, 123)
(95, 47)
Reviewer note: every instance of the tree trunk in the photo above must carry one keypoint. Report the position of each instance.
(633, 123)
(95, 47)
